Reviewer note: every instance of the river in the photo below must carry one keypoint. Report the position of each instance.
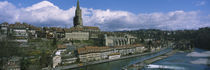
(196, 60)
(180, 61)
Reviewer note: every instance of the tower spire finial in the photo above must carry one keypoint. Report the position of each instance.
(78, 4)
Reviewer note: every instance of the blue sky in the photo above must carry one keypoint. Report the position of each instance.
(110, 14)
(135, 6)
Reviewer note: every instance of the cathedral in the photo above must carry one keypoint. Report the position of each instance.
(78, 31)
(78, 23)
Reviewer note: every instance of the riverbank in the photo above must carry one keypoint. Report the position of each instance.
(140, 65)
(73, 66)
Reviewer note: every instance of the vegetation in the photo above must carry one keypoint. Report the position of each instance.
(36, 55)
(197, 38)
(46, 59)
(9, 48)
(202, 39)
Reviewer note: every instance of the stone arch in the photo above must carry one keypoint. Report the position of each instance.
(116, 42)
(125, 41)
(120, 42)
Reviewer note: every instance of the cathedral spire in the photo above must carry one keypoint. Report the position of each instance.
(78, 7)
(78, 16)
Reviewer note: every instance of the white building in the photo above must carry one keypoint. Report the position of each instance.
(114, 56)
(4, 28)
(69, 60)
(88, 54)
(56, 61)
(19, 32)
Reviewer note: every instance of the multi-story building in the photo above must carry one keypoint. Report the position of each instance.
(68, 60)
(19, 32)
(119, 40)
(4, 28)
(56, 61)
(87, 54)
(80, 32)
(63, 56)
(77, 35)
(114, 56)
(32, 31)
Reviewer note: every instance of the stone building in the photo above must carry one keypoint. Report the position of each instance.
(56, 61)
(51, 32)
(63, 56)
(32, 31)
(4, 28)
(78, 23)
(127, 50)
(60, 33)
(85, 29)
(68, 60)
(77, 36)
(114, 56)
(87, 54)
(90, 53)
(118, 40)
(19, 32)
(78, 30)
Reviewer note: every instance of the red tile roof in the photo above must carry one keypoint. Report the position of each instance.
(61, 46)
(92, 49)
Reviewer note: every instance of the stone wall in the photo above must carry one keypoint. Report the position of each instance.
(77, 36)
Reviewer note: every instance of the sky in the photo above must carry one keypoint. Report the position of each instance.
(110, 15)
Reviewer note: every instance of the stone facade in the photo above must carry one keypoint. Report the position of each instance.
(85, 29)
(78, 27)
(19, 32)
(78, 16)
(88, 54)
(63, 56)
(114, 56)
(4, 27)
(56, 61)
(118, 41)
(77, 36)
(69, 60)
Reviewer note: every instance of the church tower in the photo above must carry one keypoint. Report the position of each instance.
(78, 16)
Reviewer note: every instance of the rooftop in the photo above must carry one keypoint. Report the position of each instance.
(61, 46)
(93, 49)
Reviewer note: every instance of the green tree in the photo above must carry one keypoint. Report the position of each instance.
(24, 64)
(45, 60)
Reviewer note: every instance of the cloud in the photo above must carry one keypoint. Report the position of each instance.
(43, 14)
(200, 3)
(8, 12)
(46, 13)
